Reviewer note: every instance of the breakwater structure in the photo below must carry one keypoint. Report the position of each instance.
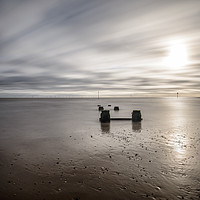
(105, 116)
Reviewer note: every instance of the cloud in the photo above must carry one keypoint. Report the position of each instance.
(81, 46)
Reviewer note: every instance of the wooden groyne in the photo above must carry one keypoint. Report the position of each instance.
(105, 116)
(121, 118)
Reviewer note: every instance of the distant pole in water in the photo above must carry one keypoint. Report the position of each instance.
(177, 94)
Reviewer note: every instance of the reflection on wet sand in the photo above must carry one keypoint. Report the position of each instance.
(179, 143)
(178, 138)
(136, 127)
(105, 127)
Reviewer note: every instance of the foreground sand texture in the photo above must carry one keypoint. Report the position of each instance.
(57, 149)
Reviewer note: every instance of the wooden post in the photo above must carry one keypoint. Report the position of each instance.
(105, 116)
(136, 116)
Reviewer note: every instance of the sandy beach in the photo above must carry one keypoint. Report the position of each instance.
(58, 149)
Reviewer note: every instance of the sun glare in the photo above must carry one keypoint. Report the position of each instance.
(177, 56)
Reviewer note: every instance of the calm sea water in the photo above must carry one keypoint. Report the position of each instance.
(62, 141)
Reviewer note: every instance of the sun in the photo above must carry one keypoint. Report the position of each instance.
(177, 57)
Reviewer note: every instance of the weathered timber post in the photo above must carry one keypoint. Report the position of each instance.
(136, 116)
(101, 108)
(105, 116)
(116, 108)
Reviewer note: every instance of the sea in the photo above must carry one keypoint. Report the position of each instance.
(58, 149)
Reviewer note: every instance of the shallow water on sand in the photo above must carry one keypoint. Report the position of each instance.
(57, 149)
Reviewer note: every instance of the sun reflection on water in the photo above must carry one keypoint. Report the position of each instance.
(177, 138)
(179, 144)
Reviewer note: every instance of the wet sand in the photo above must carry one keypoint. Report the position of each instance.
(57, 149)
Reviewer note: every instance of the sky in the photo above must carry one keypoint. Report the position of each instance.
(75, 48)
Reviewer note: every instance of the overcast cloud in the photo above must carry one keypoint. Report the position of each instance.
(79, 47)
